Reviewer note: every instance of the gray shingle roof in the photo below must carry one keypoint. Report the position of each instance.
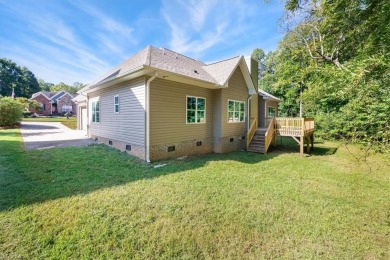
(53, 95)
(170, 61)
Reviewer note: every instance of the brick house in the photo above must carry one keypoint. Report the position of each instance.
(54, 103)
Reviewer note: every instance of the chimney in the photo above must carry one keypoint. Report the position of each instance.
(253, 67)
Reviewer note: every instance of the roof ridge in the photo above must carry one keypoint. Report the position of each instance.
(224, 60)
(185, 56)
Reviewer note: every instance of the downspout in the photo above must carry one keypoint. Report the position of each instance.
(248, 125)
(147, 114)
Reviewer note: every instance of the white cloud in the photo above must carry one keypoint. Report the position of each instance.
(112, 34)
(197, 26)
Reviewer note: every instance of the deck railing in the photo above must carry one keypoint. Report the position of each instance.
(251, 131)
(294, 126)
(269, 135)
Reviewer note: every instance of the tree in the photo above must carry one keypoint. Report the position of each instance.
(45, 85)
(339, 50)
(71, 89)
(20, 78)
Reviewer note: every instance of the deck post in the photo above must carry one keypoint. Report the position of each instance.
(312, 140)
(301, 143)
(308, 141)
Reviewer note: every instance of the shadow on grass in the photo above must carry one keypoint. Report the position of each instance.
(38, 176)
(288, 145)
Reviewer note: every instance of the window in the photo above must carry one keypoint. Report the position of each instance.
(96, 111)
(43, 106)
(236, 111)
(196, 110)
(66, 108)
(116, 104)
(271, 112)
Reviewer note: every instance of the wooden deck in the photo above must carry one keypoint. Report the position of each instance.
(300, 129)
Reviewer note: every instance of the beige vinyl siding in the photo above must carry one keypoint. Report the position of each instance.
(217, 114)
(168, 112)
(236, 90)
(129, 124)
(254, 111)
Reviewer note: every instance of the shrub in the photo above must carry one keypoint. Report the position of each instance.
(11, 111)
(27, 114)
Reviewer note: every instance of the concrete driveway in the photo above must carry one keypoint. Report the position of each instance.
(46, 135)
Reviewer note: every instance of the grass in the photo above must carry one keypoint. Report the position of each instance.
(71, 122)
(97, 202)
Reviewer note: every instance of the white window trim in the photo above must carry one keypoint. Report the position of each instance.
(205, 110)
(100, 106)
(227, 111)
(115, 112)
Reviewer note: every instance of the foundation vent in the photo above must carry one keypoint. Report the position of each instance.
(243, 137)
(110, 142)
(198, 143)
(171, 148)
(231, 140)
(128, 147)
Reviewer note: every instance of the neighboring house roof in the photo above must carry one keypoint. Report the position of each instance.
(167, 61)
(53, 96)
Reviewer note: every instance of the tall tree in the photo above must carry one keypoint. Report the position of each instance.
(20, 78)
(71, 89)
(339, 50)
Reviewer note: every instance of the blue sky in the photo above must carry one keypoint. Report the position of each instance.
(73, 41)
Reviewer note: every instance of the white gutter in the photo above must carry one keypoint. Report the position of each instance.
(147, 114)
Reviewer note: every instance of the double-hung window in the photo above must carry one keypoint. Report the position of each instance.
(236, 111)
(271, 112)
(116, 104)
(95, 111)
(196, 110)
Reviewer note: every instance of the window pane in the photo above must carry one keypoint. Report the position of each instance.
(242, 106)
(97, 106)
(93, 116)
(201, 104)
(191, 103)
(230, 117)
(200, 118)
(97, 117)
(237, 106)
(242, 116)
(231, 106)
(190, 116)
(116, 100)
(116, 108)
(236, 116)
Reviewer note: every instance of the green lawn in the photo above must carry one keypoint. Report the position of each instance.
(97, 202)
(71, 122)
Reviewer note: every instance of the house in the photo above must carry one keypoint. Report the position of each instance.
(160, 104)
(54, 103)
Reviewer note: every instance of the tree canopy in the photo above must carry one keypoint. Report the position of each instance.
(20, 78)
(339, 51)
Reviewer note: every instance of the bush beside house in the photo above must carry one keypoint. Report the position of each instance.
(11, 111)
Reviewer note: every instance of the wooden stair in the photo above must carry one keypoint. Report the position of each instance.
(257, 143)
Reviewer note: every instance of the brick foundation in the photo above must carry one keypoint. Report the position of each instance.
(190, 147)
(136, 150)
(209, 145)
